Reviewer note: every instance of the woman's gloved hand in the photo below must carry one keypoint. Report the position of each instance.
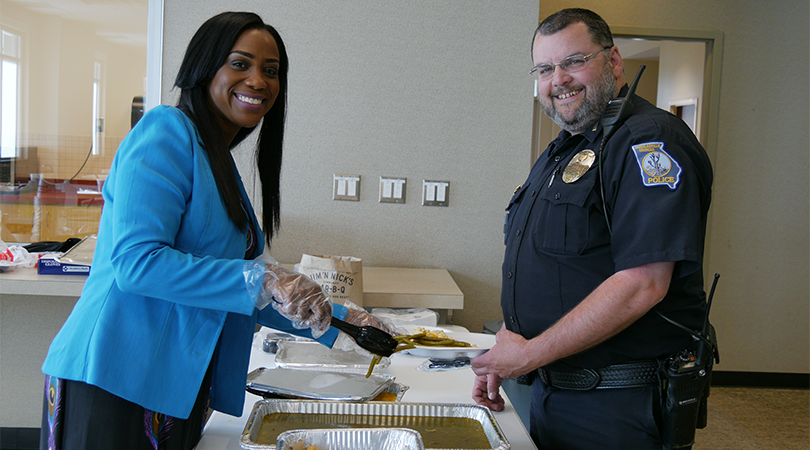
(358, 316)
(293, 295)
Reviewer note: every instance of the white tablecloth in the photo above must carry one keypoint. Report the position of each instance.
(223, 432)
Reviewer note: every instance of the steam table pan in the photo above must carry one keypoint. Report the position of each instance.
(379, 411)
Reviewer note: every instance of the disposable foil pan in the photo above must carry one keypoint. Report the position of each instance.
(397, 389)
(271, 340)
(481, 414)
(317, 385)
(310, 355)
(351, 439)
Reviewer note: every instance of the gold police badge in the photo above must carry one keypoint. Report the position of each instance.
(579, 164)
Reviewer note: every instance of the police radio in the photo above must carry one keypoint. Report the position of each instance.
(616, 112)
(685, 383)
(619, 109)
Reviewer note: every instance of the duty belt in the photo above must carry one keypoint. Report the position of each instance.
(635, 374)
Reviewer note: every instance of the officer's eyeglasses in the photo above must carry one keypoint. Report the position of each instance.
(571, 64)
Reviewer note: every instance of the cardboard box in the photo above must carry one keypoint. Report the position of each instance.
(49, 265)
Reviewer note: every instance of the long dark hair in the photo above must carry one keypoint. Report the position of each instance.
(206, 53)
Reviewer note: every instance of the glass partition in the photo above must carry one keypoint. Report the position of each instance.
(72, 77)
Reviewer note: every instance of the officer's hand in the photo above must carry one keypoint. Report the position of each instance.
(508, 358)
(486, 392)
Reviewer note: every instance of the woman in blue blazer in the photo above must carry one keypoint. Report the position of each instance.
(164, 326)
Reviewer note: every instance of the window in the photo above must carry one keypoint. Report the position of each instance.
(9, 94)
(97, 131)
(68, 77)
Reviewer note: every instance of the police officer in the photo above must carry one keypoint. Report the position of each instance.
(594, 254)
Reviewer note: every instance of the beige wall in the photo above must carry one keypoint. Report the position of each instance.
(648, 83)
(422, 90)
(432, 90)
(680, 73)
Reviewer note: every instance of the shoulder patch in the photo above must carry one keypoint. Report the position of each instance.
(657, 166)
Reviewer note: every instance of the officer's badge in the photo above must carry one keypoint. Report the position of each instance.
(580, 164)
(657, 166)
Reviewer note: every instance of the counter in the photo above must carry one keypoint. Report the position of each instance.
(389, 287)
(33, 308)
(22, 281)
(223, 432)
(392, 287)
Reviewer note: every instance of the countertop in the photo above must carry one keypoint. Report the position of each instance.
(25, 281)
(382, 286)
(223, 432)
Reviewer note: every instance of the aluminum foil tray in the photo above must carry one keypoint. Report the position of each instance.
(397, 389)
(310, 355)
(81, 253)
(351, 439)
(271, 340)
(318, 385)
(481, 414)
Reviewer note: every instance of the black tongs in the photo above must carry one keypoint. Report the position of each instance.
(369, 338)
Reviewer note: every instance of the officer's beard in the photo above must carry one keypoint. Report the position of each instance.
(597, 97)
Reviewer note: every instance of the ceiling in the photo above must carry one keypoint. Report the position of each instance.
(118, 21)
(641, 49)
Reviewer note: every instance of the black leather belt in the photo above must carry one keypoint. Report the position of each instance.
(636, 374)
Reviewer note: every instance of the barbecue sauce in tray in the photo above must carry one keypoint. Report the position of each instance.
(437, 432)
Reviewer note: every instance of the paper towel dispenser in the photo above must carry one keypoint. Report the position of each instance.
(137, 110)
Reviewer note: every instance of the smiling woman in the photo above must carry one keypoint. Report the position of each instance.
(255, 66)
(163, 327)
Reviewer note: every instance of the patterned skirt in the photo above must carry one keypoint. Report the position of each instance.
(77, 415)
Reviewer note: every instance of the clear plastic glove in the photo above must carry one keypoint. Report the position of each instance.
(358, 316)
(293, 295)
(346, 343)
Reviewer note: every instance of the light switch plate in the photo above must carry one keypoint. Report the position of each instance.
(346, 187)
(392, 189)
(435, 193)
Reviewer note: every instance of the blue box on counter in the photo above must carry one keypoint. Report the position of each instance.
(49, 265)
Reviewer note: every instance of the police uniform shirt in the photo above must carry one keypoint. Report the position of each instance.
(558, 247)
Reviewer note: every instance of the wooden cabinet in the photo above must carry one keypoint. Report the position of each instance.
(60, 222)
(47, 211)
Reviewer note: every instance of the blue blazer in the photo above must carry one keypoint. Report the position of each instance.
(166, 295)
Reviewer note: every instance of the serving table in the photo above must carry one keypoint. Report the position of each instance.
(224, 432)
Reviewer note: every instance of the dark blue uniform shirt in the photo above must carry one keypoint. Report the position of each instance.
(657, 183)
